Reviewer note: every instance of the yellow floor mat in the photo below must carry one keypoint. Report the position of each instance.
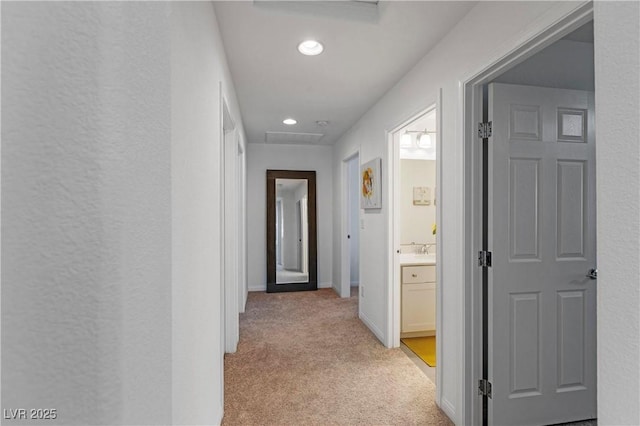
(424, 347)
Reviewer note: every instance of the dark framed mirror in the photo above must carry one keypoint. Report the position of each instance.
(291, 231)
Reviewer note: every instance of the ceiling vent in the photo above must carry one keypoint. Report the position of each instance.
(292, 137)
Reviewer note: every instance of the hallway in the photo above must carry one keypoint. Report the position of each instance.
(305, 358)
(135, 142)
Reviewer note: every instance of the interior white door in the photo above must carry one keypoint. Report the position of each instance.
(542, 218)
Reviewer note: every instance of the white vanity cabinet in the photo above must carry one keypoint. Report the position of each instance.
(418, 298)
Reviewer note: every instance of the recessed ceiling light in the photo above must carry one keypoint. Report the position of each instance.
(289, 121)
(310, 47)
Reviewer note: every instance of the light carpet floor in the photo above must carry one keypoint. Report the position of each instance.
(306, 359)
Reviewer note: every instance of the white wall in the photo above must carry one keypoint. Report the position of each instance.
(488, 31)
(416, 222)
(197, 66)
(111, 208)
(617, 50)
(86, 220)
(261, 157)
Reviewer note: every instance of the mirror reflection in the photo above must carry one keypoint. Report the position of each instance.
(292, 235)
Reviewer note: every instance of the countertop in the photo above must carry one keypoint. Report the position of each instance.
(417, 259)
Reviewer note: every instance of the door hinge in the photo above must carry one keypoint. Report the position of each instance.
(484, 130)
(484, 388)
(484, 258)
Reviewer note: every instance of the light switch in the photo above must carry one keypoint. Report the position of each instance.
(361, 223)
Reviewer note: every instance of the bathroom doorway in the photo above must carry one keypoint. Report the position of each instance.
(414, 223)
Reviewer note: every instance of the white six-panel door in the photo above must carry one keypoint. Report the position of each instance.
(542, 307)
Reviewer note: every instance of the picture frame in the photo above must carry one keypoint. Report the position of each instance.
(421, 196)
(371, 184)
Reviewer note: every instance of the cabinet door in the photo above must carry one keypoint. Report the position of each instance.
(418, 307)
(418, 274)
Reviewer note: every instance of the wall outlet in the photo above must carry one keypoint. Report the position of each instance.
(361, 291)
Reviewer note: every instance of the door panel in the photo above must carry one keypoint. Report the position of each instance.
(542, 342)
(523, 209)
(525, 344)
(571, 208)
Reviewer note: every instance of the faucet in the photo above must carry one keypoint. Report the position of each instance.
(425, 248)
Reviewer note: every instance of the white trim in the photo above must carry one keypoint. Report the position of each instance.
(221, 106)
(229, 210)
(439, 252)
(548, 29)
(376, 331)
(259, 287)
(244, 227)
(263, 287)
(393, 227)
(345, 268)
(447, 406)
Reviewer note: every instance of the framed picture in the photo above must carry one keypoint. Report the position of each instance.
(371, 185)
(421, 196)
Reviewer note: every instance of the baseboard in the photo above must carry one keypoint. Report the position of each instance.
(448, 408)
(372, 327)
(263, 287)
(259, 287)
(218, 416)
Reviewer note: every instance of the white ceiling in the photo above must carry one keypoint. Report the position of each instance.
(368, 48)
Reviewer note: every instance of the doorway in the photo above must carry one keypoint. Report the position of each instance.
(415, 230)
(532, 231)
(351, 227)
(231, 212)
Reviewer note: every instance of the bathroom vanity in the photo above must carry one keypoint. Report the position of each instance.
(418, 301)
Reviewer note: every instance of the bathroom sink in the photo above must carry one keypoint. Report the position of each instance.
(417, 259)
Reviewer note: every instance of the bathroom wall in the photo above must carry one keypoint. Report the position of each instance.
(416, 221)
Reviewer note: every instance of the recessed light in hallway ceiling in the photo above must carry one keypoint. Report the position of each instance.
(310, 47)
(367, 49)
(289, 121)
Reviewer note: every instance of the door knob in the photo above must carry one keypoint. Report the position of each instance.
(593, 274)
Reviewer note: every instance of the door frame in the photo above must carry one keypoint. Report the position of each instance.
(470, 95)
(393, 232)
(229, 213)
(345, 270)
(242, 225)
